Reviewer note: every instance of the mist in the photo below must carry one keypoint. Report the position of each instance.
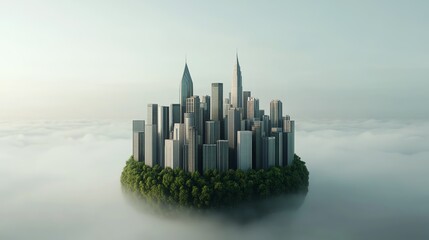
(368, 179)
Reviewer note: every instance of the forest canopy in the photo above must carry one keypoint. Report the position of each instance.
(213, 188)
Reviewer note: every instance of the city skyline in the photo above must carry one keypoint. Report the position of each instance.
(207, 132)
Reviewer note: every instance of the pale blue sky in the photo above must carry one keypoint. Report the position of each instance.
(108, 59)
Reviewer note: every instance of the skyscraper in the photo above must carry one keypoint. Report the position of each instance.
(286, 123)
(172, 153)
(193, 150)
(278, 135)
(236, 87)
(246, 95)
(189, 123)
(163, 132)
(253, 108)
(193, 106)
(222, 155)
(257, 130)
(174, 115)
(138, 146)
(152, 114)
(226, 107)
(179, 135)
(271, 141)
(266, 125)
(244, 150)
(289, 145)
(234, 125)
(212, 132)
(276, 108)
(209, 157)
(268, 152)
(216, 112)
(150, 156)
(186, 91)
(138, 140)
(205, 105)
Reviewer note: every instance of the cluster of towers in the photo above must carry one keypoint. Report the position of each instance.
(210, 132)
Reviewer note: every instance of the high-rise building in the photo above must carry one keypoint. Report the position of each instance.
(246, 95)
(186, 91)
(172, 153)
(253, 108)
(202, 125)
(268, 152)
(276, 111)
(138, 146)
(216, 102)
(138, 140)
(179, 135)
(189, 123)
(286, 123)
(236, 87)
(138, 125)
(266, 125)
(174, 115)
(193, 150)
(163, 132)
(244, 150)
(205, 104)
(289, 145)
(226, 106)
(271, 151)
(257, 144)
(278, 135)
(209, 157)
(222, 155)
(185, 157)
(243, 125)
(234, 125)
(151, 142)
(212, 132)
(224, 125)
(152, 114)
(193, 106)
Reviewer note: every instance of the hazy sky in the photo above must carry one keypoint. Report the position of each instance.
(108, 59)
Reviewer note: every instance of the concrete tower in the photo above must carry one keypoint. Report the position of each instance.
(174, 116)
(222, 155)
(193, 106)
(276, 108)
(244, 150)
(163, 132)
(216, 102)
(186, 91)
(253, 108)
(233, 126)
(246, 95)
(237, 87)
(138, 140)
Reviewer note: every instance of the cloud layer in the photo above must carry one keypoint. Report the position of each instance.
(60, 180)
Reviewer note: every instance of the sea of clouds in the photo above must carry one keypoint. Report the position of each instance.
(368, 179)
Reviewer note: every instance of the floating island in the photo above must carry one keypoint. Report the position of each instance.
(212, 189)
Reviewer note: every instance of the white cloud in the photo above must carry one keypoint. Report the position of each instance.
(61, 180)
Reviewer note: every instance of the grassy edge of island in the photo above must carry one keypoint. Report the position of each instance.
(213, 189)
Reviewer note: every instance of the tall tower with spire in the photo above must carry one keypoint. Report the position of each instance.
(186, 91)
(237, 87)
